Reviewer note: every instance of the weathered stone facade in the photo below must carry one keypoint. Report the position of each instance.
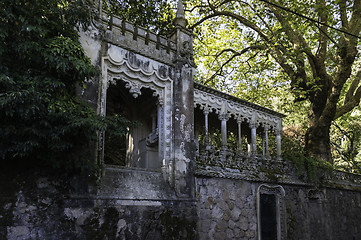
(192, 169)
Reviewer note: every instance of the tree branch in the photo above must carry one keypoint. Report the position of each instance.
(323, 31)
(351, 104)
(355, 83)
(343, 14)
(235, 54)
(237, 17)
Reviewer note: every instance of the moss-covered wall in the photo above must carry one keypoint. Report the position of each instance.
(227, 209)
(37, 206)
(323, 213)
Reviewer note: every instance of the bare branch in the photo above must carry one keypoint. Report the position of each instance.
(237, 17)
(235, 54)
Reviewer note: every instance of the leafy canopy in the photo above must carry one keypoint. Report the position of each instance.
(284, 51)
(41, 63)
(155, 15)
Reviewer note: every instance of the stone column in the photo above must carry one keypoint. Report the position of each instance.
(223, 118)
(253, 138)
(160, 129)
(183, 99)
(154, 120)
(265, 138)
(206, 133)
(278, 133)
(239, 143)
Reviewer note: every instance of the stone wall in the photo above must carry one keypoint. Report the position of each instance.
(226, 209)
(323, 213)
(43, 207)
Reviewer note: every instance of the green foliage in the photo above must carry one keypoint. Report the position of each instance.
(308, 168)
(272, 56)
(155, 15)
(346, 142)
(42, 122)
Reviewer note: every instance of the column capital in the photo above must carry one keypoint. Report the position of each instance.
(278, 131)
(206, 110)
(223, 117)
(253, 125)
(239, 119)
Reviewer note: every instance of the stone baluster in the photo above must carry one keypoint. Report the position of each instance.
(196, 140)
(249, 147)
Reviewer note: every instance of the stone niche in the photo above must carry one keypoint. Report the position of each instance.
(139, 148)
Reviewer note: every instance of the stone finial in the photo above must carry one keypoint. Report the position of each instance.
(180, 19)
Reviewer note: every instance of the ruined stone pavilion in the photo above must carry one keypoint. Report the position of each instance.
(199, 163)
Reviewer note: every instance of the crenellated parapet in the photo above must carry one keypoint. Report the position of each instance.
(137, 39)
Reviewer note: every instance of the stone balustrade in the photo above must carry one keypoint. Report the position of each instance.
(249, 125)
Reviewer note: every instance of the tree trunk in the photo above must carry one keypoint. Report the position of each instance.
(317, 138)
(318, 142)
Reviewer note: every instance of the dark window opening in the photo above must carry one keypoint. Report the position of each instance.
(268, 217)
(139, 148)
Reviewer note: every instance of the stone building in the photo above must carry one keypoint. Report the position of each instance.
(199, 164)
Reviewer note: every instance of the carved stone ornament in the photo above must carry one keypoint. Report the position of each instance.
(185, 54)
(269, 189)
(279, 193)
(219, 105)
(141, 72)
(316, 194)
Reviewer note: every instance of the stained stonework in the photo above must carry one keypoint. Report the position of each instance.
(226, 209)
(195, 167)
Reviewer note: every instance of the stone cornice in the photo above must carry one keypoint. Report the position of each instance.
(221, 103)
(235, 99)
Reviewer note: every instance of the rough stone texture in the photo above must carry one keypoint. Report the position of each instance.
(122, 183)
(133, 204)
(41, 207)
(335, 214)
(226, 209)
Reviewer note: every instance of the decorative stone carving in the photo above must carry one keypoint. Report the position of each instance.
(279, 192)
(316, 194)
(219, 105)
(269, 189)
(141, 72)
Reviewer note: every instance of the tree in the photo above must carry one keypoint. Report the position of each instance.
(314, 43)
(346, 142)
(42, 121)
(155, 15)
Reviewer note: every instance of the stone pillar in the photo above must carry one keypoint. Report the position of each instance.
(223, 118)
(265, 138)
(183, 99)
(154, 120)
(239, 143)
(253, 138)
(206, 133)
(278, 144)
(278, 133)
